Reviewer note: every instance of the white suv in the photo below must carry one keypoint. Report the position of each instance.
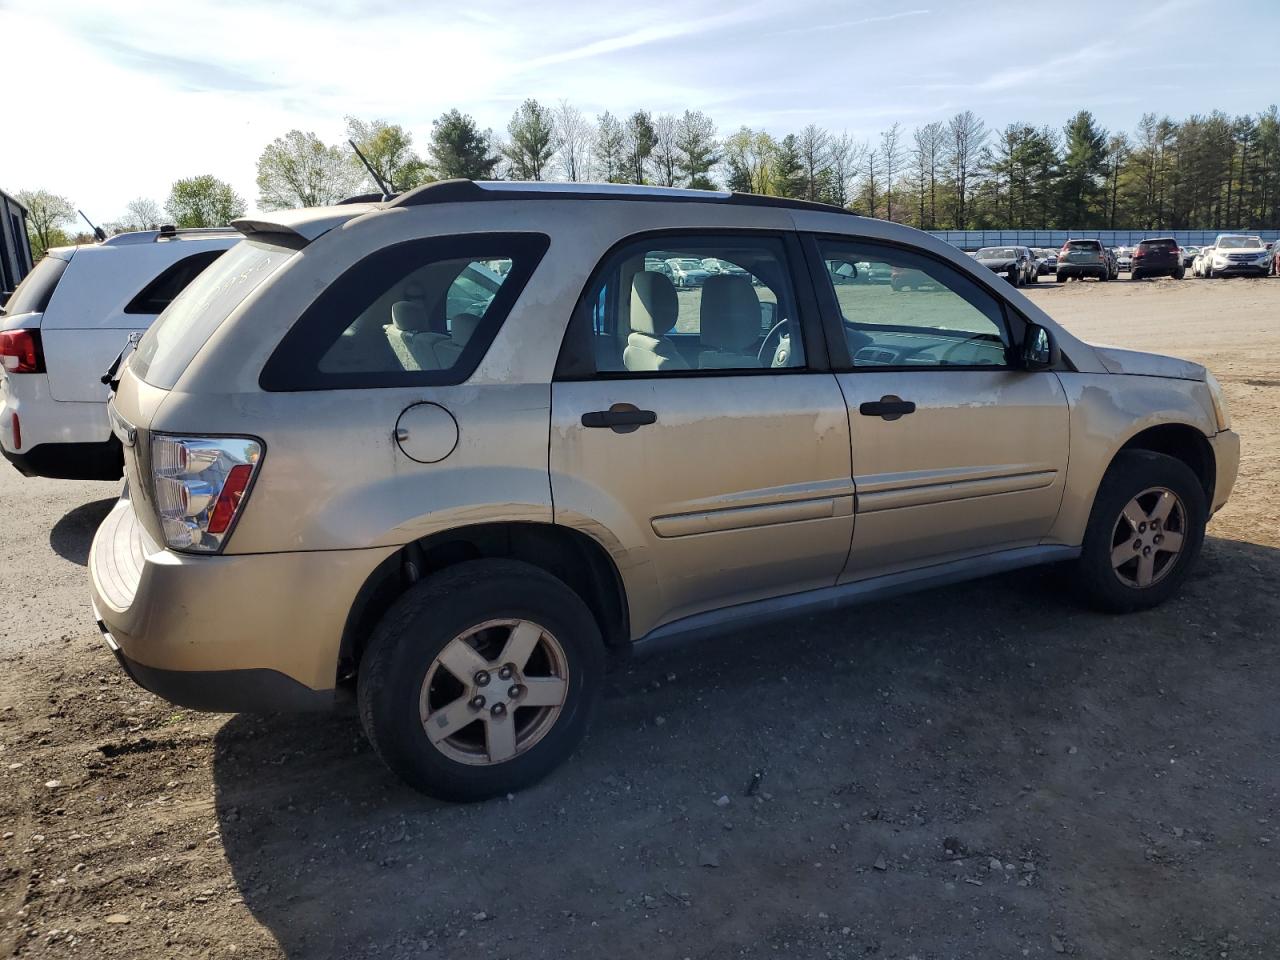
(1235, 253)
(62, 328)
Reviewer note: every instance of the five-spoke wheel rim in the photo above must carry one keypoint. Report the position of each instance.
(1148, 537)
(494, 691)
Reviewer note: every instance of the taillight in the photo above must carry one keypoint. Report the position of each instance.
(1139, 253)
(20, 351)
(200, 485)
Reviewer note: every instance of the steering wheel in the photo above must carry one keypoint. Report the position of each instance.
(771, 347)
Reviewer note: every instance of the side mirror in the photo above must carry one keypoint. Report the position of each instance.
(1037, 348)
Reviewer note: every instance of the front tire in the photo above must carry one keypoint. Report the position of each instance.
(1144, 533)
(480, 679)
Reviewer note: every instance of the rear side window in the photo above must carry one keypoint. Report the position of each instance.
(33, 293)
(190, 320)
(417, 313)
(160, 292)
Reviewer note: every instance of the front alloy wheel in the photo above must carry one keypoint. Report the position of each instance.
(1148, 537)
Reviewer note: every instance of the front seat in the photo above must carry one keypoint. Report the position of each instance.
(730, 323)
(654, 309)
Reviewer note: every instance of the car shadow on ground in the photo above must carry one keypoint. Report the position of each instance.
(838, 785)
(72, 535)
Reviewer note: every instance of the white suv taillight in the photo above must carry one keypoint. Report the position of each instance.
(200, 484)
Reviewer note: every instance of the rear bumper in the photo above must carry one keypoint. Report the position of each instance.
(69, 461)
(252, 632)
(1082, 269)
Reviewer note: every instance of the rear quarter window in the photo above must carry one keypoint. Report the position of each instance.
(173, 341)
(160, 292)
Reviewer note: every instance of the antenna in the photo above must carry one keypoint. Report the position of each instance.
(99, 234)
(387, 192)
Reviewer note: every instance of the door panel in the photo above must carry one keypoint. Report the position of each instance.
(739, 490)
(980, 465)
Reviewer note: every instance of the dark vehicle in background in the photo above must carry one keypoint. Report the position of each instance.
(1018, 264)
(1158, 257)
(1189, 254)
(1048, 260)
(1085, 258)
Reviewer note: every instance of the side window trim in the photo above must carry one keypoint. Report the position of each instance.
(833, 325)
(141, 303)
(576, 361)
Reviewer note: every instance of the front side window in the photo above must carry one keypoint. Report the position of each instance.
(684, 304)
(421, 312)
(902, 309)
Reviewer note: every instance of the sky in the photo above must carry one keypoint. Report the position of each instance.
(107, 101)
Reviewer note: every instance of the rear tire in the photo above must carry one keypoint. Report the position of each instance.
(1136, 484)
(1061, 277)
(1135, 275)
(417, 674)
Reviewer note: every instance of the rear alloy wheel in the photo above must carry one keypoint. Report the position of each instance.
(1015, 277)
(480, 679)
(1144, 532)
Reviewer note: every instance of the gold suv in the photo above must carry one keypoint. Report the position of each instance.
(449, 449)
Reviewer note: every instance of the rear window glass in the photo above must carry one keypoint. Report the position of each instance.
(182, 329)
(33, 293)
(160, 292)
(1158, 245)
(1084, 245)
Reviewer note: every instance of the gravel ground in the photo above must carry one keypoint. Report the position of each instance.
(984, 771)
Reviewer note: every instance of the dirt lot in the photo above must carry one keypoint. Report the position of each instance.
(985, 771)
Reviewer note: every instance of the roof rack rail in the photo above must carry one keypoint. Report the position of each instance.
(460, 191)
(166, 232)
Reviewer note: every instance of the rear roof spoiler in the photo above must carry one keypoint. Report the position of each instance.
(277, 233)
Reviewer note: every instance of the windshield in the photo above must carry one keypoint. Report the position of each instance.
(33, 293)
(182, 329)
(1237, 243)
(997, 253)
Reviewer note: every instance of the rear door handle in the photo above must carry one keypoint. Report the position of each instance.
(620, 418)
(888, 407)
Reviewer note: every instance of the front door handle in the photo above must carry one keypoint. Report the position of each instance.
(888, 407)
(620, 418)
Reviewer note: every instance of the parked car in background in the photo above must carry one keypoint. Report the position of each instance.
(688, 271)
(1157, 257)
(1237, 254)
(1085, 258)
(63, 327)
(598, 463)
(1017, 264)
(717, 267)
(1275, 260)
(1200, 265)
(1189, 253)
(1047, 260)
(1124, 258)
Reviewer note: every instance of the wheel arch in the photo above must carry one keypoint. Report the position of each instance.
(1183, 442)
(573, 557)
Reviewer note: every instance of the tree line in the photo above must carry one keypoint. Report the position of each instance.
(1206, 171)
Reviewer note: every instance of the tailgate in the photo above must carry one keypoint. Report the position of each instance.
(77, 359)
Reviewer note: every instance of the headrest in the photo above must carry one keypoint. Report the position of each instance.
(730, 317)
(462, 326)
(654, 304)
(410, 316)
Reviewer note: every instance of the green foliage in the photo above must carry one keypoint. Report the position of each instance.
(697, 150)
(532, 142)
(203, 201)
(300, 170)
(47, 213)
(788, 175)
(1083, 165)
(610, 148)
(459, 149)
(639, 139)
(389, 149)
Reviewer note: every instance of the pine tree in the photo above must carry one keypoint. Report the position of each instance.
(459, 149)
(532, 143)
